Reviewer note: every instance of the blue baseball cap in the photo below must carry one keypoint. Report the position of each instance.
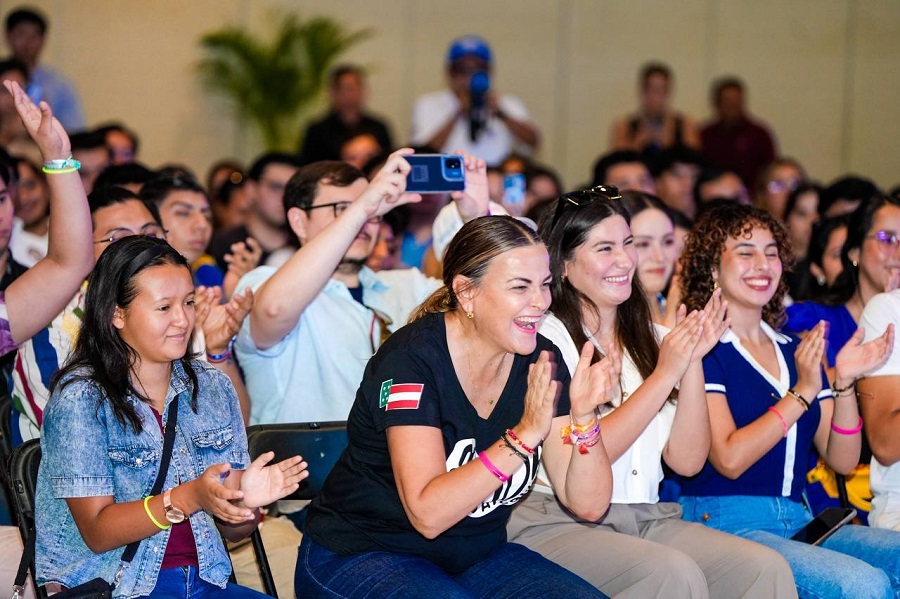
(469, 45)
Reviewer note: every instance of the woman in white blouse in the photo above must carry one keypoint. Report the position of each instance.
(660, 414)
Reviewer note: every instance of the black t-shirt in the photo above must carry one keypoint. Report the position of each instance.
(411, 381)
(324, 138)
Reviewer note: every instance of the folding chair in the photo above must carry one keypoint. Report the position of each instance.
(320, 444)
(23, 474)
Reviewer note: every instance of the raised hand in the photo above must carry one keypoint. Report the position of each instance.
(717, 322)
(677, 348)
(387, 189)
(224, 320)
(808, 357)
(263, 484)
(540, 399)
(593, 384)
(472, 202)
(857, 358)
(42, 126)
(214, 498)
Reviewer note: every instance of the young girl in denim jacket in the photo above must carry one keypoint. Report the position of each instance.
(103, 436)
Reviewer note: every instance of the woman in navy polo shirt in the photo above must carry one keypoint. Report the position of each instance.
(770, 407)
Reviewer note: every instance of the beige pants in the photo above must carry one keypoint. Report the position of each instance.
(281, 539)
(646, 550)
(10, 554)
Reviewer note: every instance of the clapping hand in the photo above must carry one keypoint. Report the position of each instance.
(593, 384)
(244, 257)
(678, 347)
(808, 357)
(717, 322)
(221, 322)
(857, 358)
(263, 484)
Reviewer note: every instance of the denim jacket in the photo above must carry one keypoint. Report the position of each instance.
(88, 453)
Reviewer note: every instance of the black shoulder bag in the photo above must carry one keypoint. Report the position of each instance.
(98, 588)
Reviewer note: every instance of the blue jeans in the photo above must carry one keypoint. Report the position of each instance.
(185, 582)
(512, 570)
(857, 561)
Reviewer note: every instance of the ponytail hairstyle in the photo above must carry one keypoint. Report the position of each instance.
(470, 253)
(565, 229)
(100, 355)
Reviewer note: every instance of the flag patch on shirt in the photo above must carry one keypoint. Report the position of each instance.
(403, 396)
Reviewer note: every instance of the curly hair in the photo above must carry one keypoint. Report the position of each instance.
(706, 242)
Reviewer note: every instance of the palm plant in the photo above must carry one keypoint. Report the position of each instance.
(271, 84)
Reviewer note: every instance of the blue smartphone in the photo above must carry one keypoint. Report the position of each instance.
(514, 193)
(435, 173)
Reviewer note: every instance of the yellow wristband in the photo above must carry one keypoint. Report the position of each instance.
(150, 514)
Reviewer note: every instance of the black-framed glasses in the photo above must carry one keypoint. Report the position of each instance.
(153, 231)
(584, 197)
(339, 208)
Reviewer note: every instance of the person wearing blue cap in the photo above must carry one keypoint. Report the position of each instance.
(469, 115)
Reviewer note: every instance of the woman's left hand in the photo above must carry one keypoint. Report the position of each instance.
(593, 384)
(42, 126)
(262, 484)
(857, 358)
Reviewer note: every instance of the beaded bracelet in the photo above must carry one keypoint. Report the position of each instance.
(582, 436)
(482, 457)
(847, 431)
(150, 514)
(513, 436)
(784, 425)
(512, 447)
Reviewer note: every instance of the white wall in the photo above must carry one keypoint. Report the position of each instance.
(824, 73)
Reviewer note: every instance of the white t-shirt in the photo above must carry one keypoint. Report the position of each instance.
(880, 311)
(638, 472)
(432, 111)
(27, 248)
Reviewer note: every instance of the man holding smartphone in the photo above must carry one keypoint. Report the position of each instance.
(879, 403)
(469, 115)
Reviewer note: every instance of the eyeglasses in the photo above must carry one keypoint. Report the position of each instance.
(776, 186)
(339, 208)
(584, 197)
(152, 231)
(887, 240)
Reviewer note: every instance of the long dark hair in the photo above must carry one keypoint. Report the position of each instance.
(100, 354)
(858, 228)
(471, 252)
(564, 229)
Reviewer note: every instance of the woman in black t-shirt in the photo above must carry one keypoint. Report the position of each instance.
(453, 415)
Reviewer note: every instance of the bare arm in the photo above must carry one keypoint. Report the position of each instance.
(880, 404)
(70, 255)
(281, 300)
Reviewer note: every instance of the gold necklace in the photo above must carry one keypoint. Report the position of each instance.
(474, 379)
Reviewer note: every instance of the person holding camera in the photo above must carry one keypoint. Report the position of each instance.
(471, 116)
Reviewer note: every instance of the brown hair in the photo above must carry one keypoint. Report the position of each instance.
(471, 252)
(706, 242)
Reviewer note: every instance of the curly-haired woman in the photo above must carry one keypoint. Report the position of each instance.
(769, 410)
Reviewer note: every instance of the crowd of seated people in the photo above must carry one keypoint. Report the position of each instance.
(609, 388)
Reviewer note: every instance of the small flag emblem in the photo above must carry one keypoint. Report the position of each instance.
(404, 396)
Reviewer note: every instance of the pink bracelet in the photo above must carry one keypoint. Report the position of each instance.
(847, 431)
(784, 425)
(491, 468)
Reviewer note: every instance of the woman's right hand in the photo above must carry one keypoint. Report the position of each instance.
(678, 346)
(808, 358)
(593, 384)
(210, 495)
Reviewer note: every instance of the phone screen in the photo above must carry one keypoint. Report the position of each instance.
(824, 525)
(514, 193)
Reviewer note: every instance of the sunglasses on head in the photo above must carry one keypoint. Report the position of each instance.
(584, 197)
